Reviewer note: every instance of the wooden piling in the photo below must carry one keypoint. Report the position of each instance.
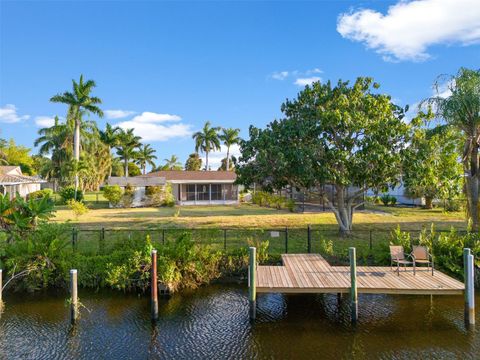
(154, 287)
(468, 261)
(353, 284)
(74, 296)
(252, 290)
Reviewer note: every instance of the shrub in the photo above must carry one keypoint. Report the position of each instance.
(68, 193)
(263, 198)
(113, 193)
(388, 199)
(77, 207)
(453, 205)
(41, 194)
(169, 199)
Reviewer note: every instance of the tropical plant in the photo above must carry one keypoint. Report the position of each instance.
(80, 102)
(194, 162)
(172, 164)
(207, 140)
(68, 193)
(461, 110)
(145, 156)
(229, 137)
(109, 137)
(127, 147)
(13, 154)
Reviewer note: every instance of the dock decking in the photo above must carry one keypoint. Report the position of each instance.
(311, 273)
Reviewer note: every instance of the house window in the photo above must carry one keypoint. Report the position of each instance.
(191, 192)
(203, 192)
(217, 192)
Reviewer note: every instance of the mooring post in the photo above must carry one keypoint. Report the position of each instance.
(353, 284)
(154, 287)
(252, 290)
(74, 296)
(468, 263)
(309, 239)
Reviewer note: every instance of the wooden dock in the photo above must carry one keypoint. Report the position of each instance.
(311, 273)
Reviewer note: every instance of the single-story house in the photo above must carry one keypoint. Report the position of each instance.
(12, 181)
(201, 187)
(188, 187)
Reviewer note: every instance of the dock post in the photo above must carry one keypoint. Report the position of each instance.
(252, 290)
(154, 287)
(74, 296)
(353, 285)
(468, 262)
(309, 239)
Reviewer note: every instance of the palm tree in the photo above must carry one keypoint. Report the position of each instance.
(207, 140)
(229, 137)
(127, 147)
(3, 156)
(461, 110)
(145, 157)
(172, 164)
(193, 163)
(79, 103)
(110, 138)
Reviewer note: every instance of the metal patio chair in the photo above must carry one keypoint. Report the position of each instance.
(398, 257)
(421, 255)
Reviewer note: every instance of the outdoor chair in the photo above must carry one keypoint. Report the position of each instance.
(422, 256)
(398, 257)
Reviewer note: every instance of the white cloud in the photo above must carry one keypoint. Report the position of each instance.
(44, 121)
(215, 157)
(314, 71)
(8, 114)
(281, 75)
(410, 27)
(117, 114)
(306, 81)
(147, 125)
(150, 117)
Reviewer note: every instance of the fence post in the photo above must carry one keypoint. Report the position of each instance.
(309, 239)
(73, 237)
(163, 236)
(154, 287)
(74, 296)
(252, 290)
(370, 241)
(468, 264)
(225, 239)
(353, 285)
(286, 240)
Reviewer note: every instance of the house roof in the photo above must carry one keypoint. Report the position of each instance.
(181, 176)
(135, 181)
(12, 175)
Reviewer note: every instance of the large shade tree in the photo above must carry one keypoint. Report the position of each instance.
(460, 109)
(207, 140)
(80, 102)
(343, 135)
(230, 137)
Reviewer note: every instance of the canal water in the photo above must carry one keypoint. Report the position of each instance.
(212, 323)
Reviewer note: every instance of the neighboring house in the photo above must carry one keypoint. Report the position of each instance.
(200, 187)
(12, 181)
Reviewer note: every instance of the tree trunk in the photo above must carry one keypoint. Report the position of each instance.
(76, 152)
(228, 160)
(472, 182)
(428, 202)
(206, 161)
(126, 168)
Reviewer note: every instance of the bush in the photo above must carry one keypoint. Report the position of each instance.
(453, 205)
(68, 193)
(39, 194)
(113, 193)
(388, 199)
(169, 199)
(263, 198)
(77, 207)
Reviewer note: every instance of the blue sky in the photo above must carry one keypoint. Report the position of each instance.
(167, 67)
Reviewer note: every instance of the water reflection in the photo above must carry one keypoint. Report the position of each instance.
(213, 322)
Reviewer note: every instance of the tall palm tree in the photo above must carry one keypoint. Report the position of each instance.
(145, 157)
(109, 137)
(229, 137)
(207, 140)
(172, 164)
(461, 110)
(127, 147)
(79, 102)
